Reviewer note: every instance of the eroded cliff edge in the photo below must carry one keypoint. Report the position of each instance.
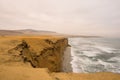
(41, 52)
(18, 53)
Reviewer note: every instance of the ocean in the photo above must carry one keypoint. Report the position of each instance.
(95, 55)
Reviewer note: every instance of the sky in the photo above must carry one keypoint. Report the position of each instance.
(82, 17)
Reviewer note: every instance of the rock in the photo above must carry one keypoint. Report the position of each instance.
(42, 53)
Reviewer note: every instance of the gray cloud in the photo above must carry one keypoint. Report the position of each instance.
(96, 17)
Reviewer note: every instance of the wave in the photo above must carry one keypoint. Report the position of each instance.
(88, 56)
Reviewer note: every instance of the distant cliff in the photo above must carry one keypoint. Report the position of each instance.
(26, 32)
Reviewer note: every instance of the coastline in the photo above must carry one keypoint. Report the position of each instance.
(12, 63)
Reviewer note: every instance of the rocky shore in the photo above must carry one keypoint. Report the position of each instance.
(40, 58)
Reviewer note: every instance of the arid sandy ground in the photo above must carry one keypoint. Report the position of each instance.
(23, 73)
(13, 68)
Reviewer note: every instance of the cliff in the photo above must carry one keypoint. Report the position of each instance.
(19, 54)
(41, 52)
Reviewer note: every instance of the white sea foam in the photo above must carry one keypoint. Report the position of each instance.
(88, 56)
(105, 49)
(90, 53)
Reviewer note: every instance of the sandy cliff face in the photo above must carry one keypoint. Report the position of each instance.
(67, 58)
(42, 53)
(17, 54)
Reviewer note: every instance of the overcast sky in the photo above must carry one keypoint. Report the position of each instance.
(93, 17)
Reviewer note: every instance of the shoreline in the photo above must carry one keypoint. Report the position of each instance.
(12, 62)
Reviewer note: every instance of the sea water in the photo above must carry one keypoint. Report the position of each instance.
(95, 55)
